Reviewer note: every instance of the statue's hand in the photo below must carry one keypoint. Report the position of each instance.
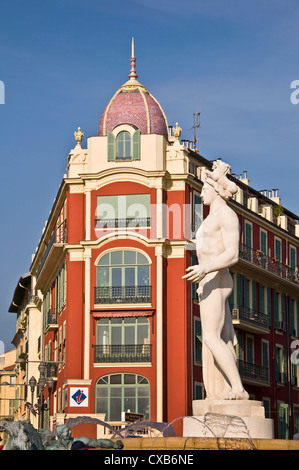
(194, 274)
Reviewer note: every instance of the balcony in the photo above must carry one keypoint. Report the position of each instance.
(270, 265)
(253, 373)
(129, 222)
(123, 295)
(52, 254)
(249, 320)
(52, 323)
(123, 353)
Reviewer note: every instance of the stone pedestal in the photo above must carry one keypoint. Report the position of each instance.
(228, 418)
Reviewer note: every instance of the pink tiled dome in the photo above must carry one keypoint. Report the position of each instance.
(133, 104)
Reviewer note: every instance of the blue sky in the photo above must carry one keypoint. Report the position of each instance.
(61, 61)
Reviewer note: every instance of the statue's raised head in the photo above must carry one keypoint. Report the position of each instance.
(219, 181)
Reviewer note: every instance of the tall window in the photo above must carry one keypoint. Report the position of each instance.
(279, 301)
(292, 260)
(269, 305)
(296, 419)
(60, 289)
(123, 146)
(119, 393)
(246, 292)
(280, 364)
(123, 340)
(263, 242)
(239, 346)
(291, 306)
(197, 212)
(248, 234)
(261, 298)
(277, 249)
(198, 341)
(130, 330)
(127, 210)
(49, 316)
(123, 276)
(249, 349)
(265, 353)
(283, 420)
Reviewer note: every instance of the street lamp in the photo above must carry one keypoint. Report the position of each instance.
(32, 385)
(43, 380)
(41, 406)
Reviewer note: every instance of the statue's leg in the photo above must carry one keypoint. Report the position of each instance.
(213, 314)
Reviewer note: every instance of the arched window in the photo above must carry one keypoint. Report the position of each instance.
(123, 276)
(123, 146)
(118, 393)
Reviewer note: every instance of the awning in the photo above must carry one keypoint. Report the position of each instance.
(122, 313)
(19, 293)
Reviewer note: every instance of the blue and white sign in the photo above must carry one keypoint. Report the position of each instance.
(79, 396)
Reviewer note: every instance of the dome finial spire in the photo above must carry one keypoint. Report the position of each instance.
(133, 75)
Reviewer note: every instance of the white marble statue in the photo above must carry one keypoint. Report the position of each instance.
(217, 248)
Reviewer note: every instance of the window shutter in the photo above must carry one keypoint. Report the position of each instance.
(248, 235)
(277, 363)
(198, 341)
(136, 145)
(239, 289)
(111, 146)
(283, 421)
(254, 303)
(269, 306)
(276, 314)
(265, 354)
(261, 298)
(292, 318)
(283, 310)
(264, 242)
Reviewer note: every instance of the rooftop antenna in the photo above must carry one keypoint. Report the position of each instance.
(196, 125)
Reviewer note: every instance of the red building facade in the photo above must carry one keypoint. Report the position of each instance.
(120, 328)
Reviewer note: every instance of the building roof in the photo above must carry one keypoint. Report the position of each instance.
(133, 104)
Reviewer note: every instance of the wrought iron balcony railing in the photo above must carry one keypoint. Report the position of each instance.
(123, 294)
(253, 371)
(269, 264)
(123, 353)
(122, 223)
(52, 316)
(249, 316)
(58, 236)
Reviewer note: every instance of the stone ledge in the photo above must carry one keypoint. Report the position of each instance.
(208, 443)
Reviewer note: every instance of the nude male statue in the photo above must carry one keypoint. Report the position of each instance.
(217, 248)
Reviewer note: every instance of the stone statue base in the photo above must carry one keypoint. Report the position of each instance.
(228, 418)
